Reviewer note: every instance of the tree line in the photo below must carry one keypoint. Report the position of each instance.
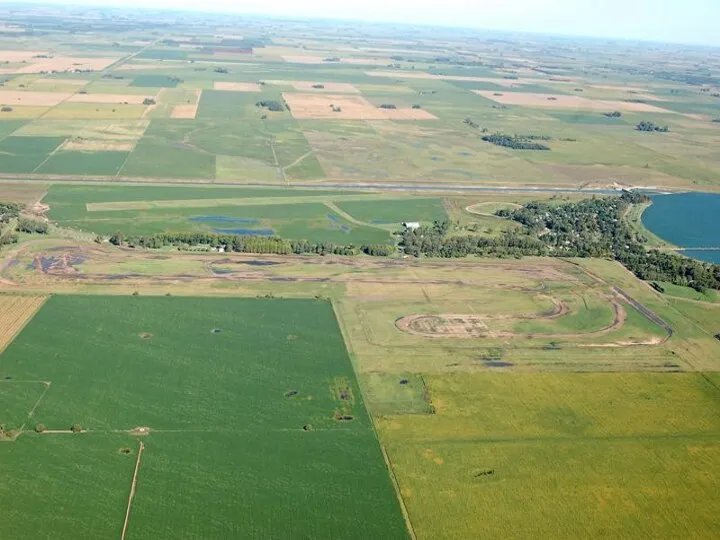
(248, 244)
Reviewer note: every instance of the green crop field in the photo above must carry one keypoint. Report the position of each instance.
(240, 398)
(84, 163)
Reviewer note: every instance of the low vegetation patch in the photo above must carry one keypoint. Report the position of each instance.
(516, 142)
(651, 126)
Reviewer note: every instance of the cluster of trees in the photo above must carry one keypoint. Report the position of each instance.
(597, 228)
(613, 114)
(32, 226)
(388, 106)
(271, 105)
(516, 142)
(651, 126)
(247, 244)
(433, 241)
(149, 101)
(9, 210)
(589, 228)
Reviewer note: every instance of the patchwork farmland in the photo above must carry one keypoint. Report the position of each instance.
(326, 281)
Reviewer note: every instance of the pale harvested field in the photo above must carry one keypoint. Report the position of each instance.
(385, 88)
(94, 145)
(15, 311)
(189, 110)
(237, 86)
(18, 56)
(552, 101)
(320, 106)
(63, 64)
(184, 111)
(131, 99)
(408, 113)
(46, 99)
(340, 88)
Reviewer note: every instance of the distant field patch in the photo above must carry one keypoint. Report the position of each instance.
(187, 110)
(237, 86)
(60, 81)
(29, 146)
(18, 56)
(95, 145)
(163, 54)
(559, 101)
(15, 312)
(97, 163)
(46, 99)
(340, 88)
(59, 64)
(408, 113)
(329, 107)
(154, 81)
(131, 99)
(94, 111)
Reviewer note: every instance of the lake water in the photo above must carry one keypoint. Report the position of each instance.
(690, 220)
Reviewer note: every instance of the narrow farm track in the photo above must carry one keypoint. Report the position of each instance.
(133, 486)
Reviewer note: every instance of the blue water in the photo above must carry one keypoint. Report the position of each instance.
(224, 219)
(690, 220)
(708, 256)
(246, 232)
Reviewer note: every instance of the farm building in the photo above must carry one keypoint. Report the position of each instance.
(411, 225)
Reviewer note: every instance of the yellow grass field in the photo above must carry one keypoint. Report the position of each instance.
(15, 311)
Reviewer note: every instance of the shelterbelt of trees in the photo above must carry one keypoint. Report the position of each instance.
(589, 228)
(248, 244)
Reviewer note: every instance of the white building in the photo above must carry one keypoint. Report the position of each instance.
(411, 225)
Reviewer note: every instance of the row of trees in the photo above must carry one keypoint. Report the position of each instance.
(247, 244)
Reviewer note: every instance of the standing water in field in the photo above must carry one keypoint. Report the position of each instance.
(688, 220)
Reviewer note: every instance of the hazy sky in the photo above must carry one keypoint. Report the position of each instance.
(686, 21)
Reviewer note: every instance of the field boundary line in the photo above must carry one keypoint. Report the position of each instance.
(386, 458)
(133, 485)
(396, 487)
